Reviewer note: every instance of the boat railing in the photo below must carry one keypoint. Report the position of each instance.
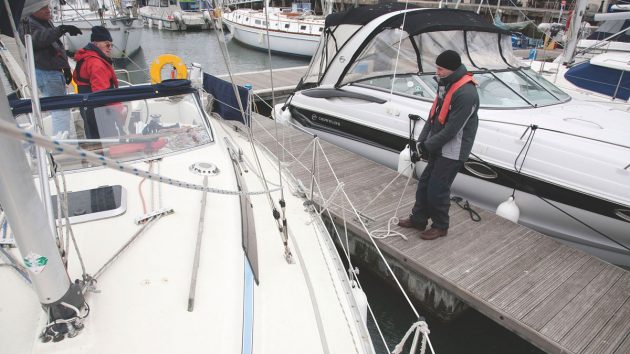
(127, 74)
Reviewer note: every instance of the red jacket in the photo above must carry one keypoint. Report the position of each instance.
(94, 72)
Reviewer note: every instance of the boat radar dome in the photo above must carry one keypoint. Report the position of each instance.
(509, 210)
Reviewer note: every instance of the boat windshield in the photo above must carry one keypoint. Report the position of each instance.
(130, 130)
(394, 61)
(519, 88)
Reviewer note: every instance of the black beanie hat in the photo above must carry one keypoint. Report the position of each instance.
(449, 59)
(100, 34)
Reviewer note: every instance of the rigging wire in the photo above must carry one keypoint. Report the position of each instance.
(53, 145)
(400, 38)
(226, 57)
(282, 201)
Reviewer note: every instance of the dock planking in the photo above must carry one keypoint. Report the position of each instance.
(556, 297)
(284, 81)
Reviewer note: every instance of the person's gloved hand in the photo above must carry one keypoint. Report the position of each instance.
(67, 73)
(70, 29)
(422, 150)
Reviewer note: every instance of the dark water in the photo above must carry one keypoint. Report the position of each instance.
(470, 333)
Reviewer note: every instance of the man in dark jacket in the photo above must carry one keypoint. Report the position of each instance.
(446, 141)
(52, 71)
(94, 72)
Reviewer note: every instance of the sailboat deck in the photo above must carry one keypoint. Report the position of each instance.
(556, 297)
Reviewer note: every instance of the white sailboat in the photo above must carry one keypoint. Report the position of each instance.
(294, 31)
(176, 15)
(119, 18)
(171, 229)
(566, 162)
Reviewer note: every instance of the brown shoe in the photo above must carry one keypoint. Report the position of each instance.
(433, 233)
(409, 224)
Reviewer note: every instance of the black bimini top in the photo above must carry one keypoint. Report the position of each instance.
(364, 14)
(415, 22)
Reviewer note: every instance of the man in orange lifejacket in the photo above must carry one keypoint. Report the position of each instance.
(446, 141)
(94, 72)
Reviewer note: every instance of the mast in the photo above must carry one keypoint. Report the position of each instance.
(33, 236)
(576, 23)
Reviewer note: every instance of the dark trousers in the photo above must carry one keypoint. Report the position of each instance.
(433, 196)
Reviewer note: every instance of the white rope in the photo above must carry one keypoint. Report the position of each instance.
(417, 328)
(53, 145)
(382, 234)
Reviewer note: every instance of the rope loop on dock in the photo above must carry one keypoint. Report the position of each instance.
(382, 234)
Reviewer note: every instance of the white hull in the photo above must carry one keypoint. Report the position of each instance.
(287, 41)
(126, 35)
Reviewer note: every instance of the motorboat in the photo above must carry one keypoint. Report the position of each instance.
(566, 162)
(176, 15)
(119, 18)
(294, 31)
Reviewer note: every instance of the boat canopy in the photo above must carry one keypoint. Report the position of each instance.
(405, 42)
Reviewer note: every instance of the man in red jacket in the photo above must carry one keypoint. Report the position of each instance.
(94, 72)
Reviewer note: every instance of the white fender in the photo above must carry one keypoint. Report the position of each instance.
(405, 166)
(361, 299)
(509, 210)
(282, 116)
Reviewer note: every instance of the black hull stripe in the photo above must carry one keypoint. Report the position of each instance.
(507, 178)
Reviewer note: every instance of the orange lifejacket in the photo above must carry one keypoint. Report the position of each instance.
(446, 105)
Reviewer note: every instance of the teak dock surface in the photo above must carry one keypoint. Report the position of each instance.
(284, 81)
(556, 297)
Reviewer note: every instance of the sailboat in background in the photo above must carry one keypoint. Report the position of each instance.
(176, 15)
(119, 17)
(294, 31)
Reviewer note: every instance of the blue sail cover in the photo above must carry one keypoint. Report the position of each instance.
(226, 104)
(105, 97)
(600, 79)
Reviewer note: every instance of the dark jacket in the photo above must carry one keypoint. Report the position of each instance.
(49, 51)
(94, 70)
(454, 139)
